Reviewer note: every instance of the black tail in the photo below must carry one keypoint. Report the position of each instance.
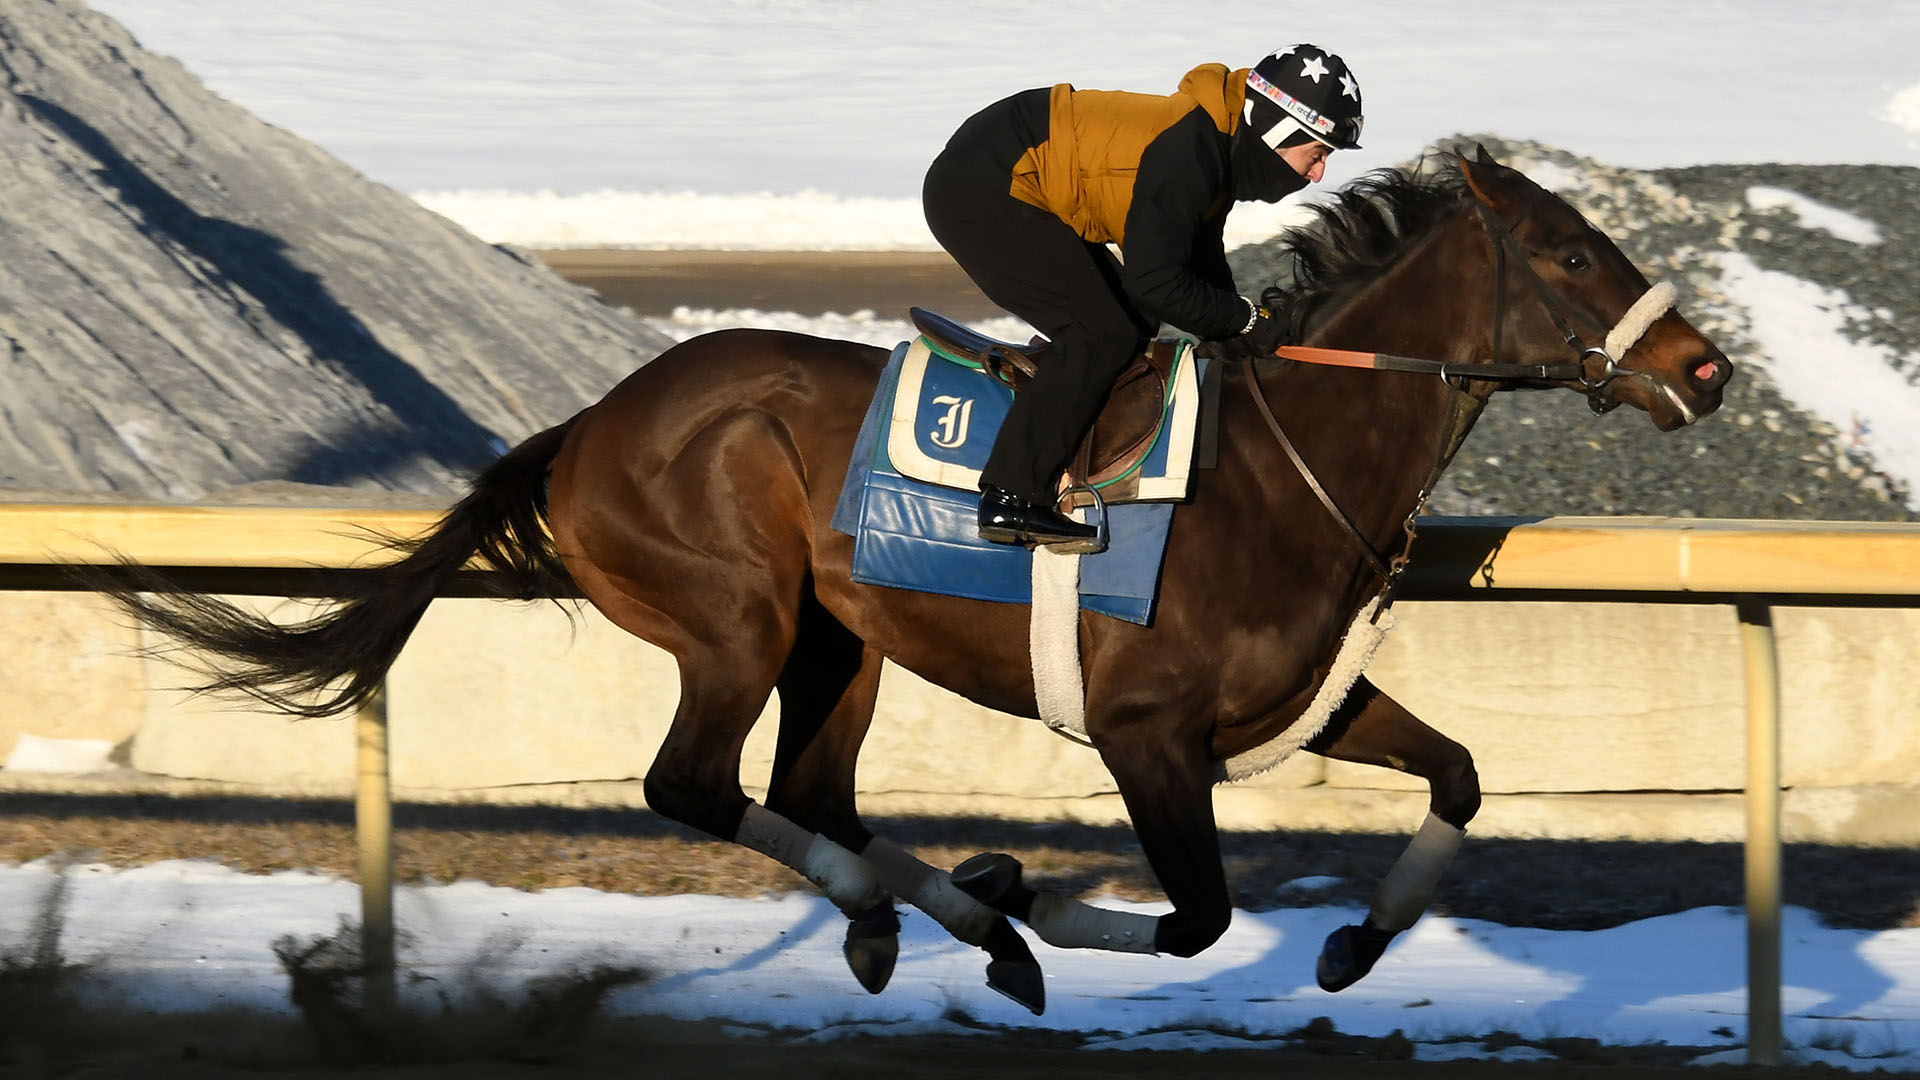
(337, 660)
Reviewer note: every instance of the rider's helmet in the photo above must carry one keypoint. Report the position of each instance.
(1303, 92)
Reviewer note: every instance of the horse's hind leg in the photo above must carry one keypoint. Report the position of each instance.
(827, 691)
(695, 779)
(1371, 728)
(725, 679)
(827, 688)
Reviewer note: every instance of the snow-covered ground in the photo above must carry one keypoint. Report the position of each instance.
(853, 98)
(747, 123)
(182, 936)
(1854, 386)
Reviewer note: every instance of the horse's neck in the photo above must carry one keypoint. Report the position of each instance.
(1434, 301)
(1425, 304)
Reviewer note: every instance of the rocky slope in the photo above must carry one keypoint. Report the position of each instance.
(191, 299)
(1760, 456)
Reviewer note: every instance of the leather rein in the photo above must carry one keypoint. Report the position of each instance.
(1631, 327)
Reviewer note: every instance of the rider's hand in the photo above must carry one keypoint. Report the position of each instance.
(1272, 324)
(1267, 334)
(1269, 326)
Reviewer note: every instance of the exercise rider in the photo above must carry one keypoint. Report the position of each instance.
(1031, 190)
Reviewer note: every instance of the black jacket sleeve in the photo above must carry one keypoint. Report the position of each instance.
(1174, 262)
(1209, 260)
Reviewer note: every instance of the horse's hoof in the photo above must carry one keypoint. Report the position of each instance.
(988, 877)
(1020, 983)
(872, 946)
(1013, 972)
(1350, 952)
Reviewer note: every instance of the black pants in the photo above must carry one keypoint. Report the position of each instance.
(1034, 265)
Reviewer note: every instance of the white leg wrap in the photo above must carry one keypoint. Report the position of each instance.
(848, 880)
(932, 891)
(1066, 923)
(1404, 892)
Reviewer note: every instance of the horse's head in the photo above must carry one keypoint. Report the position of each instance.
(1565, 291)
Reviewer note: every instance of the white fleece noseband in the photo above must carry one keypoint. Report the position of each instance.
(1652, 304)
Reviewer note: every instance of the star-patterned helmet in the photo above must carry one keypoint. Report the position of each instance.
(1301, 92)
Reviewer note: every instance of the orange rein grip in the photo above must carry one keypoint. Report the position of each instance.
(1307, 354)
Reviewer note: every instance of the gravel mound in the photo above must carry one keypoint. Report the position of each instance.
(191, 299)
(1760, 455)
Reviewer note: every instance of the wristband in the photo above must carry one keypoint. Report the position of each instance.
(1253, 315)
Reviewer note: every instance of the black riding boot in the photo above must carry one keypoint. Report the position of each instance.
(1006, 518)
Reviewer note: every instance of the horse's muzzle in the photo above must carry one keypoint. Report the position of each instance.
(1675, 395)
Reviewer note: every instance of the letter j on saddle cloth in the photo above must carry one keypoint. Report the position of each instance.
(911, 496)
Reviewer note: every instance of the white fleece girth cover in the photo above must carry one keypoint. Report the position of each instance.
(1053, 642)
(1357, 646)
(1059, 688)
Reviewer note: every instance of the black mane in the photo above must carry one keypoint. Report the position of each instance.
(1365, 226)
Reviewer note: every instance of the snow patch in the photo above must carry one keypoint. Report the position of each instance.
(1801, 331)
(807, 221)
(1311, 884)
(862, 326)
(190, 936)
(1814, 215)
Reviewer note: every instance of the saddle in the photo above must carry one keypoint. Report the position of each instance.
(1128, 425)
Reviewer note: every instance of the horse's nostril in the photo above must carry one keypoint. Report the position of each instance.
(1709, 374)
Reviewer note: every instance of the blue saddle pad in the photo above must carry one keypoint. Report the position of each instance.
(912, 534)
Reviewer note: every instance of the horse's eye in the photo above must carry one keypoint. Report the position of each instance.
(1573, 264)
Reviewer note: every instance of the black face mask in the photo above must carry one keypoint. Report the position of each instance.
(1258, 172)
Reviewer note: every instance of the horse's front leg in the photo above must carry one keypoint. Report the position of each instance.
(1165, 778)
(1373, 729)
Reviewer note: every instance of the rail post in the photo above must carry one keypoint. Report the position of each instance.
(1763, 831)
(373, 835)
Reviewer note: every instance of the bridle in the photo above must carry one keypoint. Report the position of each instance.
(1633, 325)
(1652, 304)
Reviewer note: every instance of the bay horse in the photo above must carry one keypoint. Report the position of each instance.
(691, 506)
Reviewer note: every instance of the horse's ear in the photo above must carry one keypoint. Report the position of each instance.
(1480, 155)
(1488, 180)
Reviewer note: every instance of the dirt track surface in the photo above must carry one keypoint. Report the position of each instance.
(1565, 885)
(807, 282)
(658, 1049)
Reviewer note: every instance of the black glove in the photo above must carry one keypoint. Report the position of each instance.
(1268, 332)
(1272, 324)
(1280, 306)
(1270, 327)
